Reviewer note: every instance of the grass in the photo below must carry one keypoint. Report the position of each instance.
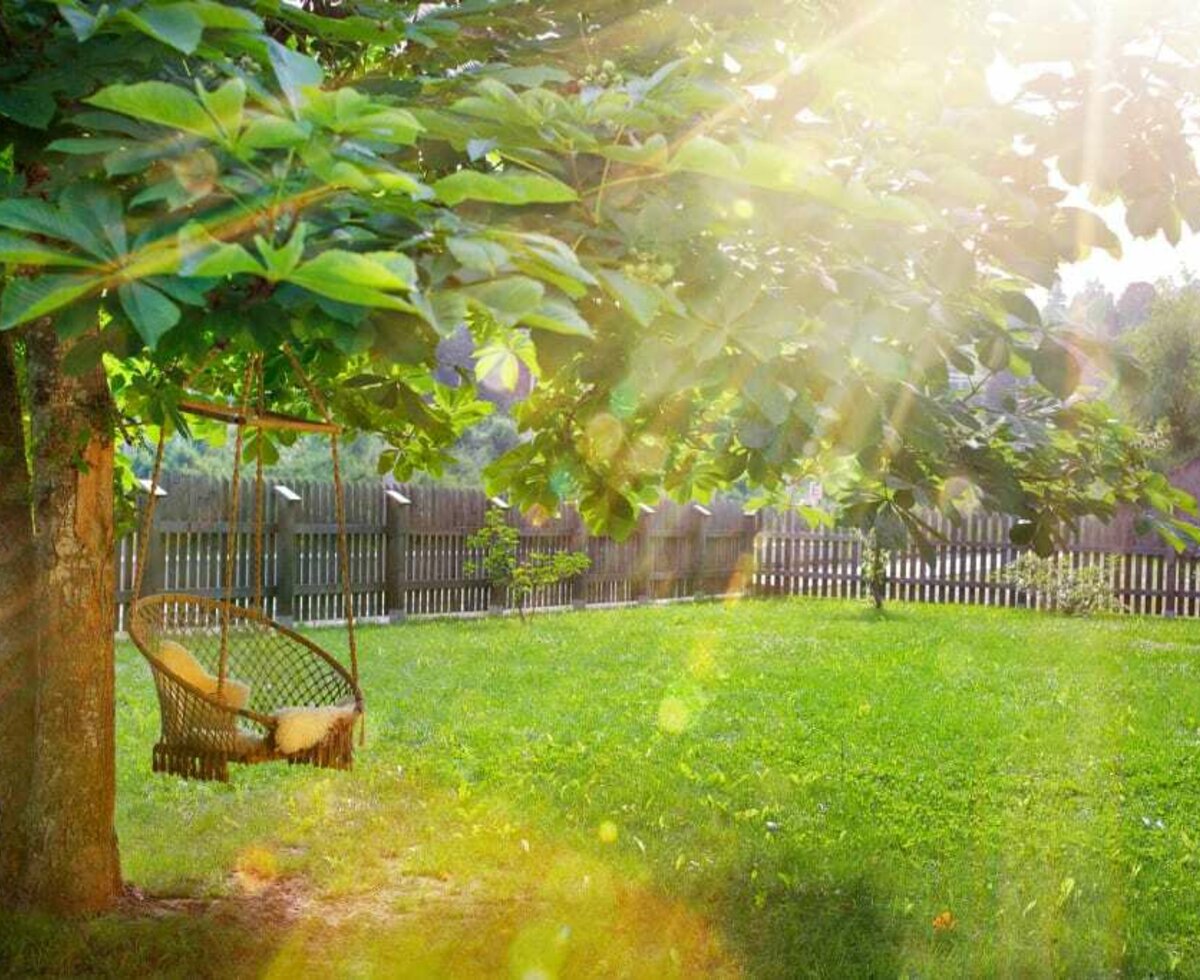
(775, 789)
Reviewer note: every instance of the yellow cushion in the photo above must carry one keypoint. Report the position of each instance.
(180, 662)
(302, 728)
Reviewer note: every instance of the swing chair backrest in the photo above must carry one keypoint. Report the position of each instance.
(281, 667)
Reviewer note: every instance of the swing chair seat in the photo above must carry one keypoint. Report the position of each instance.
(274, 676)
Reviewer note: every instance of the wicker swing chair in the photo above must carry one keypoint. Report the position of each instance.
(228, 675)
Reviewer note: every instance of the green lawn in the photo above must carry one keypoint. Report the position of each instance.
(777, 789)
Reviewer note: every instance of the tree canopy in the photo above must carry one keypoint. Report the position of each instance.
(700, 242)
(1168, 346)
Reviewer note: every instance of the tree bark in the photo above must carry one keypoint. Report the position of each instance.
(16, 632)
(71, 864)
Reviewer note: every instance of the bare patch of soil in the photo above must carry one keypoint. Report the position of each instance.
(257, 902)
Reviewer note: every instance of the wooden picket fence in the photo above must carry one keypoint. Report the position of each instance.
(408, 555)
(1147, 577)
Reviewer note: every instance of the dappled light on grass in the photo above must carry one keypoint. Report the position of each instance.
(673, 715)
(468, 889)
(841, 782)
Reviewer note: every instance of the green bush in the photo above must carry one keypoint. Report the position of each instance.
(1062, 587)
(499, 563)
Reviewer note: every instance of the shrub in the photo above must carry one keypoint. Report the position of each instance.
(873, 568)
(1062, 587)
(500, 564)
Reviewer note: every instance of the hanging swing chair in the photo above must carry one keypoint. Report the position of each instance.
(233, 684)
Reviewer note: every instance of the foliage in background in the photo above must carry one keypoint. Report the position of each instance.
(308, 458)
(501, 564)
(1167, 345)
(1098, 312)
(1058, 585)
(542, 569)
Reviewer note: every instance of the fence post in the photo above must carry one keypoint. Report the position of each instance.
(496, 596)
(701, 517)
(155, 578)
(579, 584)
(1171, 581)
(285, 544)
(747, 560)
(397, 554)
(643, 560)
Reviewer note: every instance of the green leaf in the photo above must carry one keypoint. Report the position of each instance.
(500, 364)
(133, 159)
(952, 267)
(375, 270)
(1079, 230)
(993, 351)
(510, 299)
(225, 105)
(225, 16)
(28, 299)
(77, 319)
(203, 256)
(27, 105)
(508, 188)
(176, 24)
(351, 112)
(294, 71)
(157, 102)
(281, 260)
(26, 251)
(898, 210)
(1055, 368)
(40, 218)
(82, 23)
(99, 207)
(705, 155)
(361, 279)
(85, 355)
(769, 397)
(640, 300)
(652, 153)
(559, 316)
(608, 511)
(444, 311)
(480, 254)
(547, 258)
(86, 145)
(180, 290)
(1144, 216)
(397, 180)
(1022, 307)
(532, 76)
(264, 132)
(150, 311)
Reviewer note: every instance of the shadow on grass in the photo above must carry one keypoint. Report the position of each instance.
(173, 938)
(812, 928)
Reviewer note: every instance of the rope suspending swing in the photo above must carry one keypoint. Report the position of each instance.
(233, 684)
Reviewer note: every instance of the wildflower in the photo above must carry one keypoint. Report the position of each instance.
(944, 922)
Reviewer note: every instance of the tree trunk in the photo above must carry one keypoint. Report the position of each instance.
(16, 633)
(72, 864)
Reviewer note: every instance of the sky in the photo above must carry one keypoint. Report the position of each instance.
(1142, 259)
